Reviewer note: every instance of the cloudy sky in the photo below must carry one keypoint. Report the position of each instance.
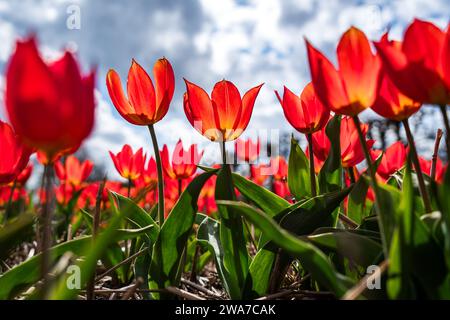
(245, 41)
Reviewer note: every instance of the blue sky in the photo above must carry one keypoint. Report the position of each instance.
(245, 41)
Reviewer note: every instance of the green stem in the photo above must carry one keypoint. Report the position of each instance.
(129, 188)
(180, 187)
(373, 180)
(416, 163)
(434, 158)
(160, 175)
(447, 128)
(224, 153)
(312, 172)
(351, 174)
(46, 227)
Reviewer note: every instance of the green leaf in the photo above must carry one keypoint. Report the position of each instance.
(357, 248)
(95, 250)
(27, 273)
(232, 236)
(208, 235)
(311, 258)
(268, 201)
(167, 257)
(298, 172)
(358, 207)
(330, 176)
(15, 231)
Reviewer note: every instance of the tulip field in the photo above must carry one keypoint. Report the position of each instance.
(337, 219)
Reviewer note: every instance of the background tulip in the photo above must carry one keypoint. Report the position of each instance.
(394, 159)
(73, 172)
(51, 106)
(306, 113)
(14, 155)
(353, 87)
(247, 150)
(184, 162)
(146, 104)
(224, 116)
(128, 164)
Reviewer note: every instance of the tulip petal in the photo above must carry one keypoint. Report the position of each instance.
(141, 92)
(248, 101)
(228, 104)
(326, 80)
(164, 86)
(358, 68)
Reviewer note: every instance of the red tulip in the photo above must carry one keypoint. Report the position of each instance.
(351, 150)
(224, 116)
(391, 103)
(14, 156)
(24, 175)
(51, 106)
(206, 200)
(425, 165)
(305, 113)
(129, 164)
(394, 159)
(184, 162)
(149, 174)
(419, 66)
(247, 150)
(73, 172)
(256, 174)
(353, 87)
(145, 104)
(279, 167)
(281, 189)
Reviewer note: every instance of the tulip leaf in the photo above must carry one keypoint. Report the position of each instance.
(298, 172)
(268, 201)
(358, 206)
(15, 231)
(330, 176)
(232, 236)
(311, 258)
(27, 273)
(168, 251)
(358, 248)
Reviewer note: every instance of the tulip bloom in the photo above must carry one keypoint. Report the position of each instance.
(440, 168)
(256, 174)
(50, 106)
(351, 150)
(224, 116)
(353, 87)
(394, 159)
(281, 189)
(247, 150)
(391, 103)
(128, 164)
(24, 175)
(279, 168)
(145, 104)
(73, 172)
(184, 162)
(14, 155)
(418, 66)
(305, 113)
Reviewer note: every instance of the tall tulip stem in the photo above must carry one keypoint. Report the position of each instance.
(373, 180)
(312, 172)
(160, 175)
(416, 163)
(447, 128)
(224, 152)
(434, 158)
(46, 226)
